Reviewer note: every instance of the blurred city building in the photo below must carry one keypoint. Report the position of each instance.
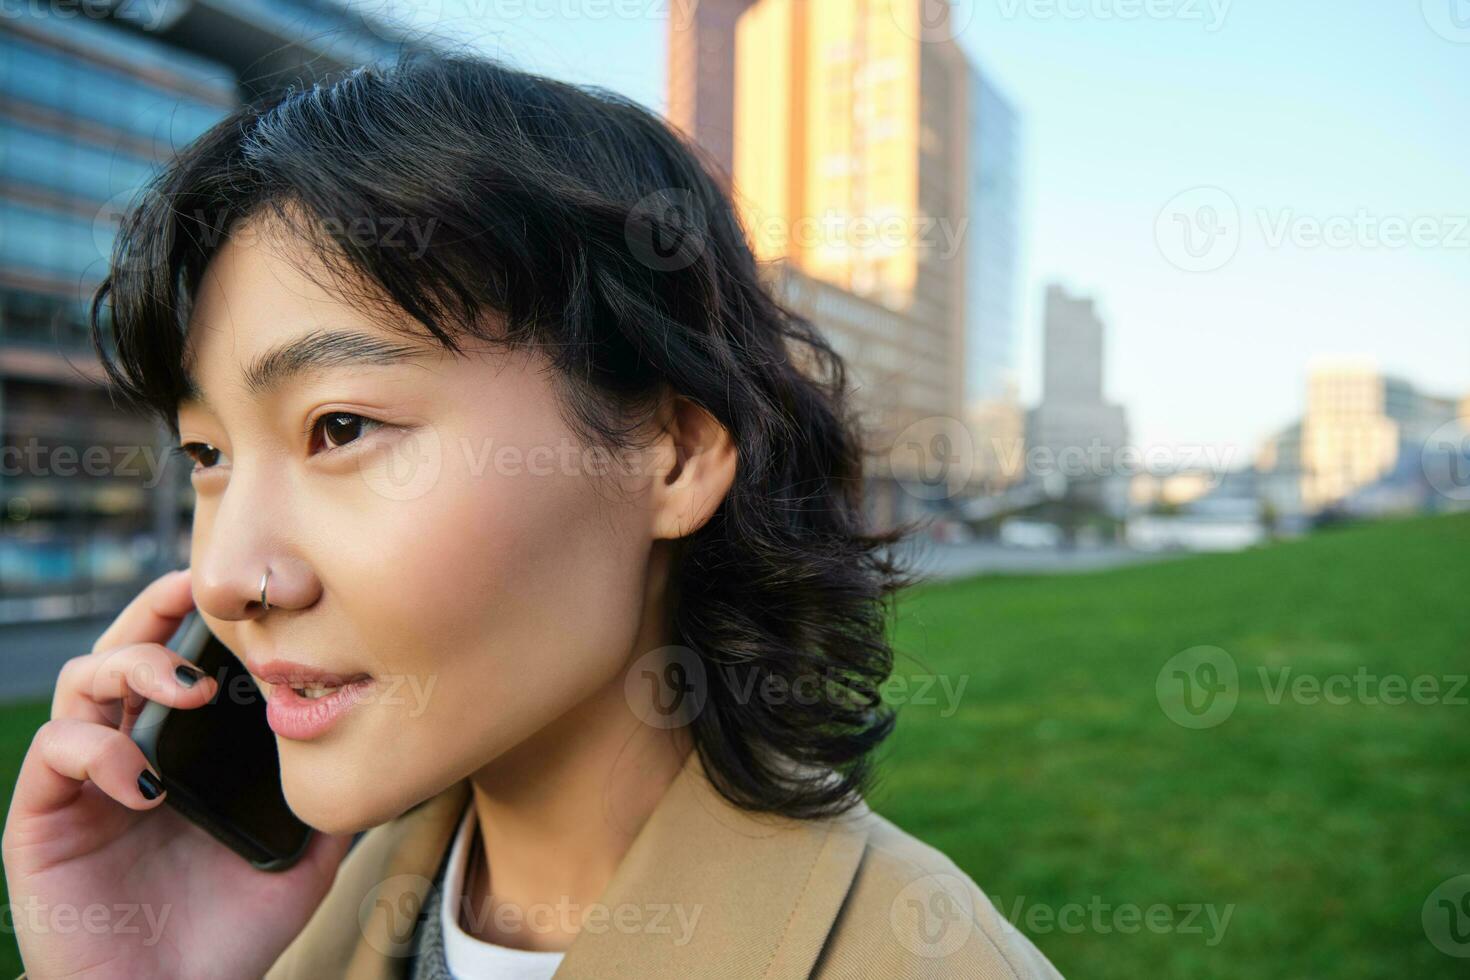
(93, 99)
(701, 56)
(859, 173)
(1074, 434)
(876, 342)
(993, 409)
(1368, 443)
(1349, 439)
(1279, 474)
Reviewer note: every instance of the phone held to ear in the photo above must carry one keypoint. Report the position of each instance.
(219, 760)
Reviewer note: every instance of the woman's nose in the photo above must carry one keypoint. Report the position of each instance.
(235, 588)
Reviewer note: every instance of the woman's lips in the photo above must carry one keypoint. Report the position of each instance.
(297, 674)
(295, 716)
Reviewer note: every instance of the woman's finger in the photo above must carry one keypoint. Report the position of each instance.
(105, 687)
(65, 753)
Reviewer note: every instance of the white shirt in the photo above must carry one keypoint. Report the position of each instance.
(470, 958)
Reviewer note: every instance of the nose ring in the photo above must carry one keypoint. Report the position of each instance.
(264, 579)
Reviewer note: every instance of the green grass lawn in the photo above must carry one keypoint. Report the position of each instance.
(18, 724)
(1059, 783)
(1056, 779)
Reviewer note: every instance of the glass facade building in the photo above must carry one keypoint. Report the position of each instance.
(90, 108)
(993, 257)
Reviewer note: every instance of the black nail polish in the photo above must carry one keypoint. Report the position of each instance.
(188, 674)
(149, 785)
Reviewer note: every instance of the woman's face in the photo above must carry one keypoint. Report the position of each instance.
(456, 547)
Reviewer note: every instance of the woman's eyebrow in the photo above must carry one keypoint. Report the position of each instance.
(319, 349)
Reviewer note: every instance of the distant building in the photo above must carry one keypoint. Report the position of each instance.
(868, 162)
(1368, 442)
(1072, 369)
(992, 257)
(1074, 425)
(90, 107)
(851, 141)
(1359, 426)
(1279, 475)
(701, 79)
(873, 340)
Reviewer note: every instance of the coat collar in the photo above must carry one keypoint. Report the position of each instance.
(706, 889)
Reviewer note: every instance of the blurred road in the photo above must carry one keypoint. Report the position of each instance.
(946, 561)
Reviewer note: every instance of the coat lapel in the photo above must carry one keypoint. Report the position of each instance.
(363, 928)
(710, 890)
(706, 889)
(390, 909)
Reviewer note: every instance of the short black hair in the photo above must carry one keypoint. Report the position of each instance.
(601, 235)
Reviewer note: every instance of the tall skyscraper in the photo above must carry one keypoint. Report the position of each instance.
(992, 269)
(992, 261)
(701, 41)
(850, 143)
(1072, 369)
(850, 149)
(1074, 424)
(870, 157)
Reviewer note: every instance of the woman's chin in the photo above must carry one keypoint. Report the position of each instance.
(333, 808)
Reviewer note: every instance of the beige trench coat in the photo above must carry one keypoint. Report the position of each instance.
(706, 890)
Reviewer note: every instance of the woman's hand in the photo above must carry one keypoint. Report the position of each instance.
(105, 882)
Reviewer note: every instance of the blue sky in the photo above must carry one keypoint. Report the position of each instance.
(1332, 140)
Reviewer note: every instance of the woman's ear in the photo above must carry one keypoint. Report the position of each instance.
(694, 471)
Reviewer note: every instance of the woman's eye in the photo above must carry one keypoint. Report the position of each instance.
(339, 428)
(203, 454)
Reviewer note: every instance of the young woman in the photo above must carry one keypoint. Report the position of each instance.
(503, 452)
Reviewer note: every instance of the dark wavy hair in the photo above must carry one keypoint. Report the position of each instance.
(600, 235)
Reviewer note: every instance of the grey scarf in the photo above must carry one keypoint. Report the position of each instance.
(428, 961)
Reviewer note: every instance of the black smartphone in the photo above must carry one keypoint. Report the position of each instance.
(219, 761)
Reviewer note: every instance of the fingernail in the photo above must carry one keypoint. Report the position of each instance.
(188, 674)
(149, 785)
